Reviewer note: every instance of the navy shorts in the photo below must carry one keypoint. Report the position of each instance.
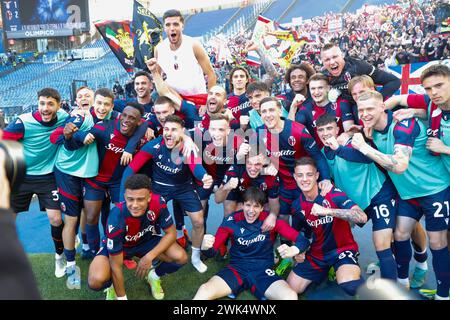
(435, 207)
(316, 270)
(44, 187)
(186, 196)
(257, 281)
(130, 252)
(234, 195)
(383, 207)
(70, 189)
(95, 190)
(287, 196)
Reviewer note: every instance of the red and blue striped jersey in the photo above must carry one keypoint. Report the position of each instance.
(239, 105)
(125, 231)
(292, 143)
(329, 233)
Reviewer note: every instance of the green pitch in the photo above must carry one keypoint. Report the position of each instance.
(181, 285)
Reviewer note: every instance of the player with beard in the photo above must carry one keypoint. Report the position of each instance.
(171, 175)
(143, 86)
(33, 130)
(183, 59)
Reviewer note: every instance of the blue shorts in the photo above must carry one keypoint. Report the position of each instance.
(434, 207)
(287, 196)
(234, 195)
(383, 207)
(70, 189)
(316, 270)
(95, 190)
(186, 196)
(258, 281)
(130, 252)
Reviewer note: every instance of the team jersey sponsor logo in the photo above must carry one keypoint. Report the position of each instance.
(218, 158)
(114, 149)
(432, 133)
(167, 168)
(244, 105)
(280, 153)
(140, 234)
(246, 243)
(320, 221)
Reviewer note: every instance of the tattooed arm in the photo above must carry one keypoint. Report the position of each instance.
(354, 214)
(397, 162)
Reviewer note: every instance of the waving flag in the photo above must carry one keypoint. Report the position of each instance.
(148, 30)
(409, 74)
(119, 37)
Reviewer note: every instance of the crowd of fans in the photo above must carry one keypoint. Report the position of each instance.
(389, 35)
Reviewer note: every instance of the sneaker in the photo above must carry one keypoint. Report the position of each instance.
(331, 275)
(87, 254)
(110, 293)
(418, 278)
(130, 264)
(155, 285)
(73, 277)
(60, 267)
(283, 266)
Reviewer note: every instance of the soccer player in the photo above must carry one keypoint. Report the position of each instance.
(134, 230)
(319, 88)
(143, 86)
(256, 91)
(34, 130)
(287, 141)
(239, 178)
(215, 101)
(402, 152)
(332, 243)
(237, 100)
(183, 59)
(362, 181)
(341, 70)
(112, 136)
(297, 76)
(251, 253)
(172, 178)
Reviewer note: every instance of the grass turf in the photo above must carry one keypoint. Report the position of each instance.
(181, 285)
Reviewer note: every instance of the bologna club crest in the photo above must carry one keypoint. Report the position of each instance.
(151, 215)
(292, 141)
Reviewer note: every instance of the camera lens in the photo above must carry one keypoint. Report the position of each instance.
(15, 166)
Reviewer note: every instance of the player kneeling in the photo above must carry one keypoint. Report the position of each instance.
(251, 253)
(133, 229)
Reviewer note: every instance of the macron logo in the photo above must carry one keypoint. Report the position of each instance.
(110, 228)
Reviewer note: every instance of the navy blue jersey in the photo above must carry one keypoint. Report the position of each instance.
(292, 143)
(217, 160)
(289, 96)
(239, 105)
(268, 184)
(250, 247)
(111, 144)
(169, 166)
(310, 112)
(329, 233)
(125, 231)
(119, 105)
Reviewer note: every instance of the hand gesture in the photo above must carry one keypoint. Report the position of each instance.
(126, 158)
(318, 210)
(89, 139)
(287, 251)
(207, 242)
(231, 184)
(207, 181)
(69, 130)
